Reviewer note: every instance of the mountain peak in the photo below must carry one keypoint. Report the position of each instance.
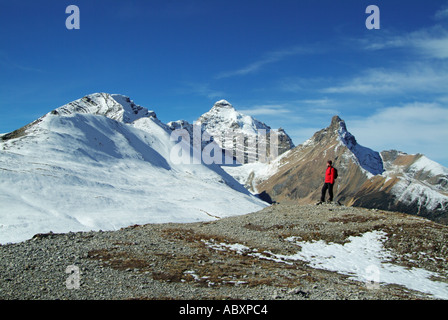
(114, 106)
(223, 119)
(223, 104)
(367, 158)
(337, 122)
(132, 111)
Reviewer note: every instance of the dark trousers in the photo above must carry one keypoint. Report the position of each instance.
(326, 186)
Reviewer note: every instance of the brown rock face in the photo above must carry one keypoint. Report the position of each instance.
(302, 170)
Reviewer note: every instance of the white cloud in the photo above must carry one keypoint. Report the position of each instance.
(413, 128)
(420, 78)
(266, 110)
(430, 43)
(269, 58)
(7, 62)
(441, 14)
(317, 102)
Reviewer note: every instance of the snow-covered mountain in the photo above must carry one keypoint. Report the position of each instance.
(247, 138)
(223, 116)
(410, 183)
(103, 162)
(389, 180)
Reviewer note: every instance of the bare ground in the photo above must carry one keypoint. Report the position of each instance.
(187, 261)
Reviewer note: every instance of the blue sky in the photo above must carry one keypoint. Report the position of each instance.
(291, 64)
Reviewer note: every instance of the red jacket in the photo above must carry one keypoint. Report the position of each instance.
(329, 175)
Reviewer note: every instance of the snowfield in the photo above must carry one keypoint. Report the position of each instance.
(78, 171)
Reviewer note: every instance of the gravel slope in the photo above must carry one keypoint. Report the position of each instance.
(175, 261)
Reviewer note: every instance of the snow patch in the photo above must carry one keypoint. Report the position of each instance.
(409, 191)
(244, 250)
(363, 258)
(427, 165)
(365, 253)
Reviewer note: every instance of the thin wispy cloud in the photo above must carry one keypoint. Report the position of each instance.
(317, 102)
(269, 58)
(421, 128)
(429, 43)
(442, 13)
(267, 110)
(423, 69)
(417, 78)
(407, 102)
(8, 63)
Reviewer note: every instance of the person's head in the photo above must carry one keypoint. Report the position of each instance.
(329, 163)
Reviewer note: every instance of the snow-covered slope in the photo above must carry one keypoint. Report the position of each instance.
(417, 182)
(102, 162)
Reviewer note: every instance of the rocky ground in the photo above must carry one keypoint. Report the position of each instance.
(179, 261)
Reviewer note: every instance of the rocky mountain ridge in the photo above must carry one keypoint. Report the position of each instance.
(390, 180)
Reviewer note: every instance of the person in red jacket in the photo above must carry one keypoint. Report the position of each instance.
(329, 182)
